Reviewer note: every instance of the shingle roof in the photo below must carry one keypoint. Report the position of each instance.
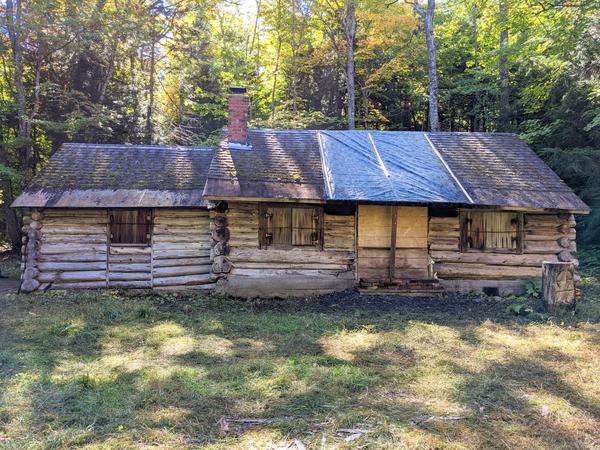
(501, 170)
(487, 169)
(105, 175)
(279, 164)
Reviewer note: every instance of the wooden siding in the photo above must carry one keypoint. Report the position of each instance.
(294, 271)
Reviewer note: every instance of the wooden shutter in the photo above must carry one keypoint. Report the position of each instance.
(491, 231)
(130, 226)
(304, 227)
(279, 226)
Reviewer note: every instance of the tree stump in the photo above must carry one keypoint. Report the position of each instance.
(558, 285)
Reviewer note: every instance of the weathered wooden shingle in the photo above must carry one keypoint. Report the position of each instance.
(498, 169)
(278, 164)
(85, 175)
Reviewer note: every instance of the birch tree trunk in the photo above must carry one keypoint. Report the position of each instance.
(434, 121)
(350, 29)
(503, 66)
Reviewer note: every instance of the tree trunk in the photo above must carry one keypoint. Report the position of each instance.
(13, 234)
(558, 286)
(276, 71)
(434, 121)
(350, 28)
(503, 67)
(14, 25)
(151, 86)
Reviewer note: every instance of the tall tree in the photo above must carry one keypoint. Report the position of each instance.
(350, 30)
(503, 66)
(427, 15)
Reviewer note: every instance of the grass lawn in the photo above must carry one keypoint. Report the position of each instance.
(117, 370)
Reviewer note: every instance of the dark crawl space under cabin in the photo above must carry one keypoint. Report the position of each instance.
(288, 212)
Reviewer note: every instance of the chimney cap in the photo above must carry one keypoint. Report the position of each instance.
(237, 90)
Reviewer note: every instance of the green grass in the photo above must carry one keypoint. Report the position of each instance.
(124, 370)
(108, 370)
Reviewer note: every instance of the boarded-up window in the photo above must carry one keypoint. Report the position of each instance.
(492, 231)
(130, 226)
(291, 226)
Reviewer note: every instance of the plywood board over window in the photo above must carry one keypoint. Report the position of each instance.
(491, 231)
(291, 226)
(130, 226)
(406, 259)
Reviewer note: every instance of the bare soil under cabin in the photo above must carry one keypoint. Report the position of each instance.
(127, 369)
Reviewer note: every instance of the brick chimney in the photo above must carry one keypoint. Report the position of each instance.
(237, 122)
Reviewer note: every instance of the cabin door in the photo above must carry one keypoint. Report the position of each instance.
(392, 243)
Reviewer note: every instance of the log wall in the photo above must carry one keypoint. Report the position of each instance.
(70, 249)
(547, 237)
(293, 272)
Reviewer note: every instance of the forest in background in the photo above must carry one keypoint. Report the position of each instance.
(158, 71)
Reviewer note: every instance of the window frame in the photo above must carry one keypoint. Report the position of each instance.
(263, 226)
(464, 246)
(149, 229)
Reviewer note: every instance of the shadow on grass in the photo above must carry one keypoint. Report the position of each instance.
(274, 362)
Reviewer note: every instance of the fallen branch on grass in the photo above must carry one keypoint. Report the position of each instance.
(424, 419)
(258, 421)
(354, 433)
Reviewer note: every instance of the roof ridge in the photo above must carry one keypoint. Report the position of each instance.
(134, 146)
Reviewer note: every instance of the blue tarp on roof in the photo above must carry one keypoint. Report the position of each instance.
(385, 166)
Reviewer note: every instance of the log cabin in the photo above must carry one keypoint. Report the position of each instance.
(298, 212)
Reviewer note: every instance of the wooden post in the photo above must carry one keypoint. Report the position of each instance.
(558, 286)
(393, 243)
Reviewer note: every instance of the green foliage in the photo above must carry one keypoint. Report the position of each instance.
(519, 309)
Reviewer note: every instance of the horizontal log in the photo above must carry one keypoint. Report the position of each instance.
(186, 280)
(71, 266)
(128, 276)
(90, 275)
(160, 246)
(172, 271)
(548, 247)
(125, 259)
(99, 238)
(175, 254)
(479, 271)
(292, 266)
(508, 259)
(74, 229)
(174, 262)
(200, 223)
(49, 213)
(279, 273)
(167, 228)
(444, 220)
(180, 238)
(132, 267)
(50, 249)
(72, 257)
(290, 256)
(129, 250)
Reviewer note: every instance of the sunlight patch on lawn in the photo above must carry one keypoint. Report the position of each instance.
(348, 345)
